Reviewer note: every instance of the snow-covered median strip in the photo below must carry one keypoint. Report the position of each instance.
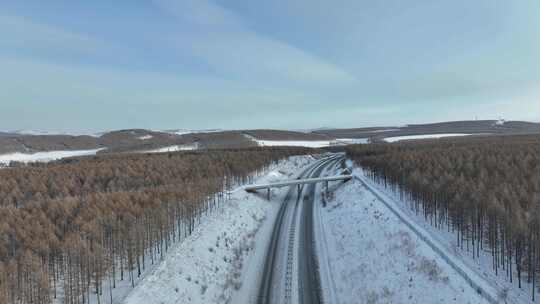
(209, 266)
(377, 258)
(44, 156)
(425, 136)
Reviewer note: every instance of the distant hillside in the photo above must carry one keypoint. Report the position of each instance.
(356, 132)
(139, 140)
(133, 140)
(484, 127)
(225, 139)
(10, 143)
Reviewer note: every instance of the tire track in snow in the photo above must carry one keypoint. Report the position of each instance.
(267, 292)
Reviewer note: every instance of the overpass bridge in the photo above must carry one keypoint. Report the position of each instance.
(297, 182)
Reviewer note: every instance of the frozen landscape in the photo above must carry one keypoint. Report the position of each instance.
(269, 152)
(350, 242)
(366, 253)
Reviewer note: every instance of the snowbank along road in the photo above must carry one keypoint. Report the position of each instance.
(291, 271)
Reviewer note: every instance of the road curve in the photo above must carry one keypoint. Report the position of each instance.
(291, 255)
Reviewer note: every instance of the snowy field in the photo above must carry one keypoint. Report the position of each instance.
(174, 148)
(146, 137)
(425, 136)
(186, 132)
(216, 263)
(43, 133)
(383, 130)
(48, 156)
(307, 143)
(352, 141)
(376, 258)
(295, 143)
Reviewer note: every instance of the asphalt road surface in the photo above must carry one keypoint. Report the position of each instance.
(291, 272)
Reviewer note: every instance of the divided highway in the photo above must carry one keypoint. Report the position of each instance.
(291, 272)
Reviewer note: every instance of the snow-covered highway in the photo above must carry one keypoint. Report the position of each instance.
(291, 272)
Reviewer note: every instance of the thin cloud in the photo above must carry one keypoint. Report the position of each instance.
(165, 63)
(200, 12)
(220, 38)
(19, 32)
(76, 96)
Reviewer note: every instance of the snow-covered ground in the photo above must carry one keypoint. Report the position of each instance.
(185, 132)
(43, 133)
(34, 132)
(145, 137)
(174, 148)
(206, 267)
(376, 258)
(352, 141)
(424, 136)
(217, 263)
(307, 143)
(500, 122)
(48, 156)
(383, 130)
(295, 143)
(480, 267)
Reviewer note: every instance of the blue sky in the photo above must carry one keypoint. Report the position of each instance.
(98, 65)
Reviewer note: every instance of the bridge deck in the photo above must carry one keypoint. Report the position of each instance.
(252, 188)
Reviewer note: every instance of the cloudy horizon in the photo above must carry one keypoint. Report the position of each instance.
(201, 64)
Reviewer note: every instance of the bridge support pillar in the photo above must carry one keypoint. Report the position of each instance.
(268, 194)
(326, 187)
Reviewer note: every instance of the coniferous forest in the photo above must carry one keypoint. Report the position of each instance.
(67, 227)
(486, 190)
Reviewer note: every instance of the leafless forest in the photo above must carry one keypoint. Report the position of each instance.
(485, 190)
(68, 227)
